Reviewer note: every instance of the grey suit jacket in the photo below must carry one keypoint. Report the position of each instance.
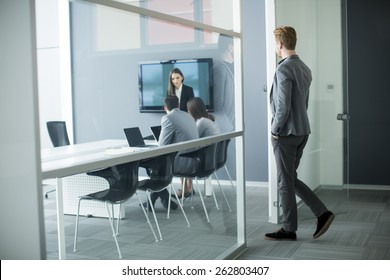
(178, 126)
(289, 98)
(223, 83)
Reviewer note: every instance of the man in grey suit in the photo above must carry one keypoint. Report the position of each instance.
(224, 105)
(290, 131)
(176, 126)
(223, 83)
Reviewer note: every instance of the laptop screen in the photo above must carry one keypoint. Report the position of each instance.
(156, 131)
(134, 137)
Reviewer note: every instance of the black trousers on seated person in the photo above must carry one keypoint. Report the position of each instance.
(164, 196)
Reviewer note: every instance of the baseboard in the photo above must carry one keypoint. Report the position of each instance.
(354, 187)
(176, 180)
(261, 184)
(328, 187)
(366, 187)
(257, 184)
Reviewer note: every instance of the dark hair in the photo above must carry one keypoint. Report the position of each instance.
(171, 87)
(171, 102)
(197, 109)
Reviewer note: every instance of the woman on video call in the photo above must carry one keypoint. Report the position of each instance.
(177, 88)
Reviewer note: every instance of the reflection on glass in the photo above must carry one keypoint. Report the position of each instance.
(223, 83)
(223, 74)
(106, 91)
(160, 32)
(126, 25)
(218, 13)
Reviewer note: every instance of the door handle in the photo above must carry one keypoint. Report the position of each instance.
(343, 117)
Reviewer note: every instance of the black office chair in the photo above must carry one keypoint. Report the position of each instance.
(58, 133)
(58, 136)
(123, 183)
(205, 166)
(221, 158)
(160, 172)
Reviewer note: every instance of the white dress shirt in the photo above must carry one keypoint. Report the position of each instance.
(178, 92)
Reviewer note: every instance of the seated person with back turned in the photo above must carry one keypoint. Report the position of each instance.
(176, 126)
(205, 123)
(204, 120)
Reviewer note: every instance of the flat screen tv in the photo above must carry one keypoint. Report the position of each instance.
(153, 81)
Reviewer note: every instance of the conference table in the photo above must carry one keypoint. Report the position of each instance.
(61, 162)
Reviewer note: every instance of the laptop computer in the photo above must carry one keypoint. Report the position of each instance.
(156, 131)
(134, 138)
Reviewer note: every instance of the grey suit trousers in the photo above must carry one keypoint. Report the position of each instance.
(288, 151)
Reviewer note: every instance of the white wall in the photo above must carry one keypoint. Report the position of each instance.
(301, 14)
(53, 54)
(21, 206)
(48, 66)
(331, 101)
(255, 98)
(318, 26)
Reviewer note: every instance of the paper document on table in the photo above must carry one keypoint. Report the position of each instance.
(119, 150)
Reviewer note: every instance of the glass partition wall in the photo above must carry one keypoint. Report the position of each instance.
(110, 42)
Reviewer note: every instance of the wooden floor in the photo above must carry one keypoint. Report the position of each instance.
(361, 231)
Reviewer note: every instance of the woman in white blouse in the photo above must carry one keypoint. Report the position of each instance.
(177, 87)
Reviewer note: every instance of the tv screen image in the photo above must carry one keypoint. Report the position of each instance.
(154, 76)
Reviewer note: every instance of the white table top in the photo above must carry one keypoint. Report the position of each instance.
(79, 158)
(74, 159)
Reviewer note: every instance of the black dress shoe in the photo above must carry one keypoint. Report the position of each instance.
(186, 195)
(165, 204)
(281, 234)
(323, 223)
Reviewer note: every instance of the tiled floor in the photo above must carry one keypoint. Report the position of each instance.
(361, 230)
(202, 240)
